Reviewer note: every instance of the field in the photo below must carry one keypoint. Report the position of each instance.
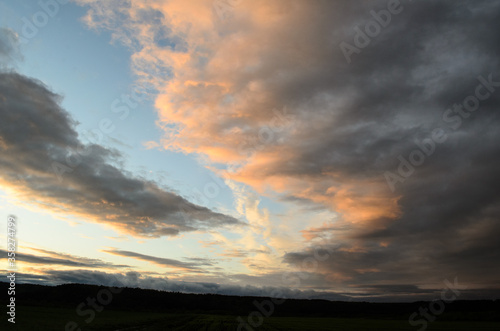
(69, 307)
(52, 319)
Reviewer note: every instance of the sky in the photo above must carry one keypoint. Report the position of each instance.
(344, 150)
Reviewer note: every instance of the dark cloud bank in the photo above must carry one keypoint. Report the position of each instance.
(403, 86)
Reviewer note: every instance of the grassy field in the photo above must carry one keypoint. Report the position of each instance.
(52, 319)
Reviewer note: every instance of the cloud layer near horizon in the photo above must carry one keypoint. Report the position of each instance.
(378, 293)
(224, 84)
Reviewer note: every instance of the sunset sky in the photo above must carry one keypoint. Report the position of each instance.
(347, 150)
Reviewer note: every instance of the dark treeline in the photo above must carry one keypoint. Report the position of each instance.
(134, 299)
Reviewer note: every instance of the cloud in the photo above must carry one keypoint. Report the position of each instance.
(45, 162)
(59, 259)
(164, 262)
(135, 279)
(270, 93)
(379, 293)
(9, 48)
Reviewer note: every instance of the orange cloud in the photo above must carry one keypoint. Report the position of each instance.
(227, 81)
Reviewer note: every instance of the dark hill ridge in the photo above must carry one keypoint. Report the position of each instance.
(135, 299)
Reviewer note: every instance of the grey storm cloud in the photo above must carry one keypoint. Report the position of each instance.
(37, 136)
(358, 118)
(431, 56)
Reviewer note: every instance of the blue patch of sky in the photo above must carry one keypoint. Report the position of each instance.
(91, 73)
